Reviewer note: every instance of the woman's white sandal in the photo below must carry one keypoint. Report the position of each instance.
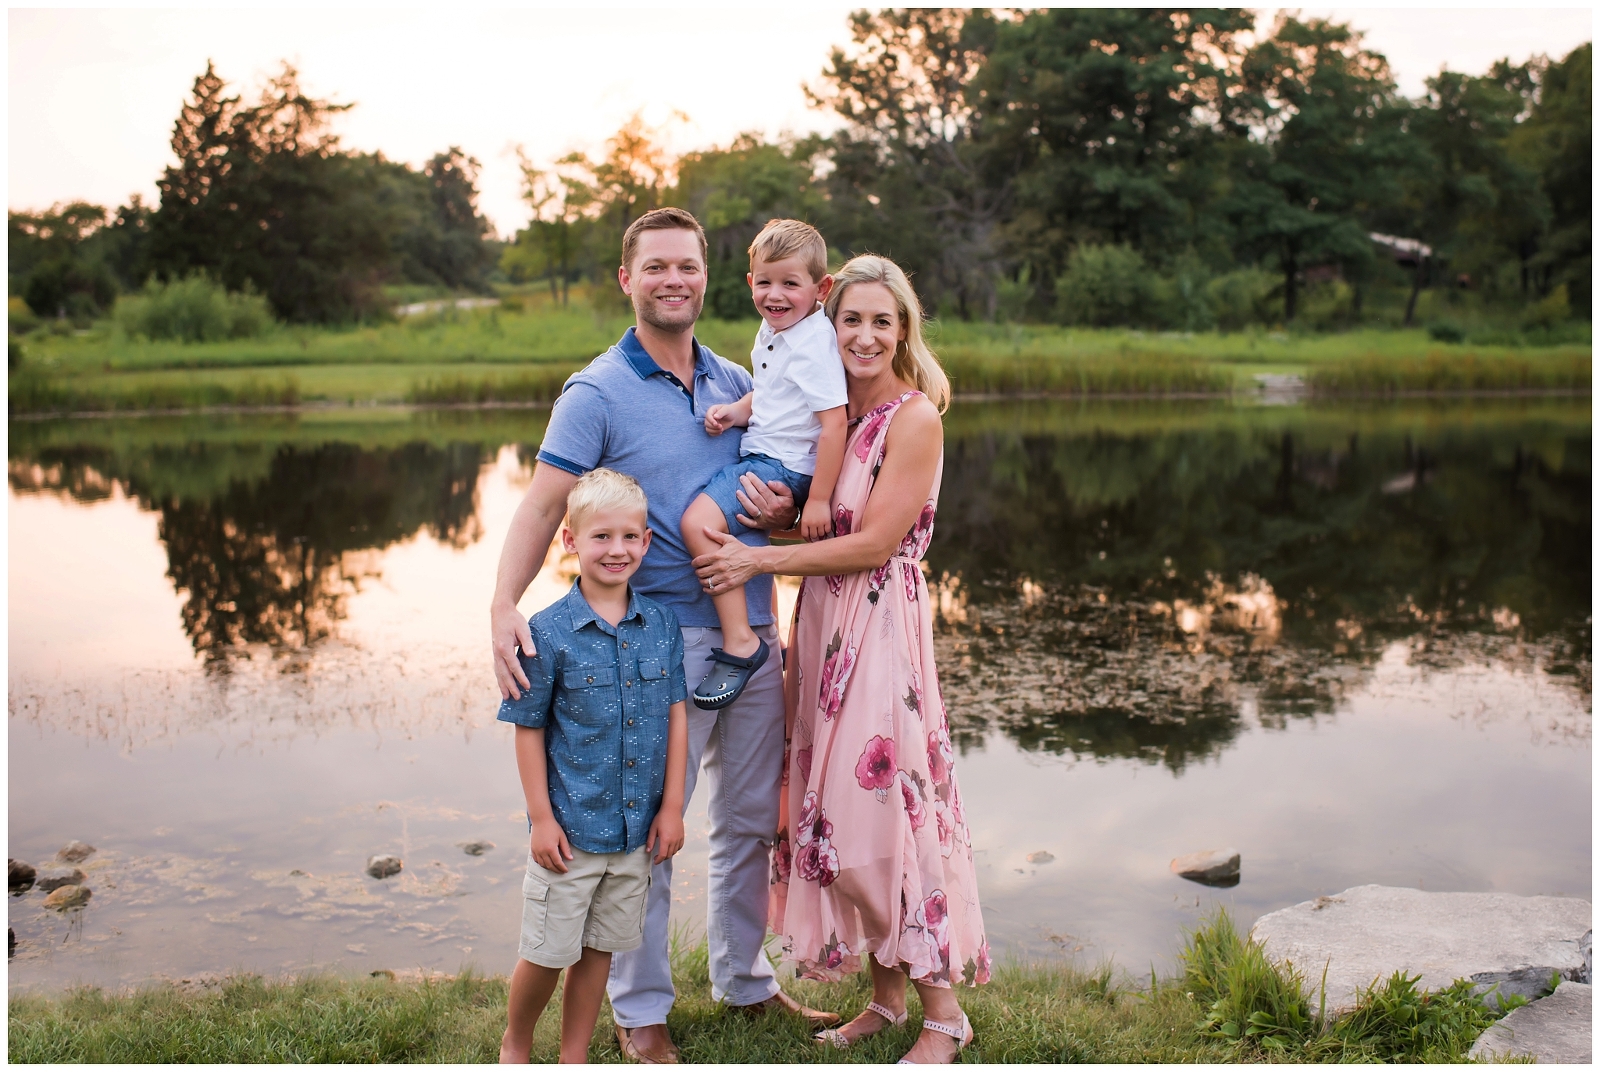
(840, 1041)
(962, 1035)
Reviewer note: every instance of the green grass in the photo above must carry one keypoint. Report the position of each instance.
(523, 351)
(1230, 1005)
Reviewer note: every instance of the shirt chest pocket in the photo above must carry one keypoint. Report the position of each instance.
(589, 677)
(654, 672)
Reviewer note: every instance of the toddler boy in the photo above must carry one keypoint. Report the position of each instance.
(602, 741)
(794, 424)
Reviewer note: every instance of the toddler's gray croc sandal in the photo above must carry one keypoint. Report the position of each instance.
(729, 675)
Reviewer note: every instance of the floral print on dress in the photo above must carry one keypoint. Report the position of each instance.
(875, 770)
(872, 830)
(835, 676)
(867, 437)
(816, 859)
(914, 796)
(782, 858)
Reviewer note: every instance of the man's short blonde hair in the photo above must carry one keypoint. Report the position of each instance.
(604, 489)
(781, 239)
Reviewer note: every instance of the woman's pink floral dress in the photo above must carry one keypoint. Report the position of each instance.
(873, 853)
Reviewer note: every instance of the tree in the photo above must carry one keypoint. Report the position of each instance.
(52, 262)
(263, 194)
(554, 242)
(1325, 148)
(909, 178)
(1462, 193)
(733, 192)
(1108, 117)
(1555, 142)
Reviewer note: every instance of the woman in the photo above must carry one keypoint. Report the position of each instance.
(873, 860)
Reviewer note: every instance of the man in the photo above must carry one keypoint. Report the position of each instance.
(639, 408)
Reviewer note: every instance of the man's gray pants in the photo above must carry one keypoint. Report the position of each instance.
(742, 748)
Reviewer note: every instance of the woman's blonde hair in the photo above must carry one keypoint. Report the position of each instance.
(913, 361)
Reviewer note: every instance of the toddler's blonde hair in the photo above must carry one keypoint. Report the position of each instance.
(781, 239)
(604, 489)
(914, 362)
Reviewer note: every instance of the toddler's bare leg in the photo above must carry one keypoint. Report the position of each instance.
(531, 987)
(580, 1004)
(737, 636)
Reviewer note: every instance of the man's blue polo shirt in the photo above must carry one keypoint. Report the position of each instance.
(627, 413)
(603, 694)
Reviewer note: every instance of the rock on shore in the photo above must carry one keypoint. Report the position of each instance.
(53, 878)
(1213, 867)
(75, 852)
(68, 897)
(19, 876)
(1368, 933)
(1554, 1031)
(384, 866)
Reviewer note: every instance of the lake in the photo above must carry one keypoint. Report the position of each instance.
(1353, 642)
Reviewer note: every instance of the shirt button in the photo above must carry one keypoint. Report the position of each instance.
(763, 364)
(630, 721)
(769, 346)
(630, 803)
(590, 679)
(630, 762)
(627, 684)
(624, 643)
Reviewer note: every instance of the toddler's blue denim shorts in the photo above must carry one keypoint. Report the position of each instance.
(722, 487)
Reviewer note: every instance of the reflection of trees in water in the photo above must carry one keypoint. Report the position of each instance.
(1093, 566)
(269, 556)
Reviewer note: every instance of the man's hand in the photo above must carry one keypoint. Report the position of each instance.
(508, 632)
(815, 521)
(549, 846)
(666, 833)
(767, 505)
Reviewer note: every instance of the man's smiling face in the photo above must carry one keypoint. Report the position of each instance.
(667, 279)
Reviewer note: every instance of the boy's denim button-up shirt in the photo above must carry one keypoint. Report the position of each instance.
(601, 693)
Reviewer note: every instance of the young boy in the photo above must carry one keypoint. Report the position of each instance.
(602, 741)
(795, 429)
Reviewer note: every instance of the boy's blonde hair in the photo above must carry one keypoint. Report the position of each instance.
(604, 489)
(781, 239)
(914, 361)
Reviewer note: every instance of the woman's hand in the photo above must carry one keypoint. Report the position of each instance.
(727, 567)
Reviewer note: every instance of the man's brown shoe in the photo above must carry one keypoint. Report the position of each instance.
(781, 1002)
(647, 1045)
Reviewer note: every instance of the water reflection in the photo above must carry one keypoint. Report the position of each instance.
(1124, 593)
(265, 547)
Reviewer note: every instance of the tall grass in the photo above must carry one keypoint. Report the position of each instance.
(31, 392)
(1440, 371)
(1028, 1013)
(1264, 1009)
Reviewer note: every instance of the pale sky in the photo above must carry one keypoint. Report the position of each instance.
(93, 92)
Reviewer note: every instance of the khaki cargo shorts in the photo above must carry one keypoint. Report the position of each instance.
(598, 903)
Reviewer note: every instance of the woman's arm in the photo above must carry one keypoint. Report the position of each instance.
(911, 457)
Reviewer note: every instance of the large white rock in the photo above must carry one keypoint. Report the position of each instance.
(1554, 1031)
(1368, 933)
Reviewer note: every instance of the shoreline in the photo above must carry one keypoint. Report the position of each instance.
(1265, 398)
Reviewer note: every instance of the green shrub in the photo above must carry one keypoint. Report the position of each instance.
(1446, 331)
(1105, 286)
(1182, 298)
(1554, 308)
(193, 309)
(1248, 999)
(1396, 1022)
(1241, 298)
(69, 289)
